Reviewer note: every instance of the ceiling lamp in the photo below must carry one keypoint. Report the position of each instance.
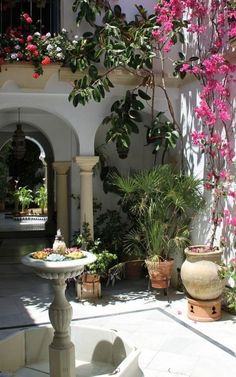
(18, 140)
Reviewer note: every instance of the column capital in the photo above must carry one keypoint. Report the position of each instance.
(61, 167)
(86, 163)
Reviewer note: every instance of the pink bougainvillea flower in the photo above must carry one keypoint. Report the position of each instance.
(232, 193)
(232, 221)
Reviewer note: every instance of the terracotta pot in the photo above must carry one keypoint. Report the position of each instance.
(199, 273)
(160, 273)
(90, 278)
(134, 269)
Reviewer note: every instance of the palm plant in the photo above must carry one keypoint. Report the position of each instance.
(41, 198)
(160, 204)
(24, 197)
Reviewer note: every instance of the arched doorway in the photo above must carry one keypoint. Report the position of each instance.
(31, 172)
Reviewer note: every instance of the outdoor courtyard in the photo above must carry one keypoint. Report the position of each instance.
(170, 343)
(117, 149)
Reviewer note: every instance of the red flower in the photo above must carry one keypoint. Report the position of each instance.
(46, 60)
(7, 49)
(35, 75)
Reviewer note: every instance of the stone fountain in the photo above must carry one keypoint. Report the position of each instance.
(100, 349)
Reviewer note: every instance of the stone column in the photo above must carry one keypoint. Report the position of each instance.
(50, 225)
(86, 164)
(61, 169)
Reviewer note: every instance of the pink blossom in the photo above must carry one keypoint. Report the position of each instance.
(31, 47)
(215, 138)
(29, 38)
(185, 67)
(233, 221)
(232, 193)
(19, 55)
(224, 174)
(27, 18)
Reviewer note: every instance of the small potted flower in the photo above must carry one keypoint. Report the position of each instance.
(88, 284)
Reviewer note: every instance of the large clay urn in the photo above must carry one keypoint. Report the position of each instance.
(199, 272)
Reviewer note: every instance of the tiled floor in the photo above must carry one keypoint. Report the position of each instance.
(171, 344)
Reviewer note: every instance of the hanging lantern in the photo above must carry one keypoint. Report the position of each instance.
(18, 140)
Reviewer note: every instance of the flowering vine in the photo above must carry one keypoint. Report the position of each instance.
(210, 25)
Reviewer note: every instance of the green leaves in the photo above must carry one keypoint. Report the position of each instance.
(125, 114)
(162, 133)
(90, 86)
(144, 95)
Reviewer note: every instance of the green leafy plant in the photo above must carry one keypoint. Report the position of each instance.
(160, 203)
(105, 259)
(229, 272)
(41, 198)
(24, 197)
(110, 229)
(130, 46)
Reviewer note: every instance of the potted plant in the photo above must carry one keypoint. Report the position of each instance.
(160, 203)
(24, 197)
(41, 198)
(88, 284)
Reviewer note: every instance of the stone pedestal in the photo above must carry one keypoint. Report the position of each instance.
(204, 311)
(61, 350)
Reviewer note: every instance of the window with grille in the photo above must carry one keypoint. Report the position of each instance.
(45, 14)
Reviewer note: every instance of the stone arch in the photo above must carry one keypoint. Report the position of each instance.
(57, 138)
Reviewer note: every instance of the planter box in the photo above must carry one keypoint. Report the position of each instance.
(22, 74)
(88, 287)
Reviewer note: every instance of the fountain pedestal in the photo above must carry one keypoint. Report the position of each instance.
(61, 350)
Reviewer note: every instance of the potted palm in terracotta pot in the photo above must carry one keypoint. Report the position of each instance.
(160, 203)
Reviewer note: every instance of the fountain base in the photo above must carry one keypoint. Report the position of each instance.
(97, 352)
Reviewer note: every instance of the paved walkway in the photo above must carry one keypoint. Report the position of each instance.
(171, 344)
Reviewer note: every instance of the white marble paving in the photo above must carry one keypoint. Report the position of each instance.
(144, 317)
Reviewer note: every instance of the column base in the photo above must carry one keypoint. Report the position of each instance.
(204, 311)
(62, 361)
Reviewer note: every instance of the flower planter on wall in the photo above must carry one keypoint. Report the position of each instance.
(22, 74)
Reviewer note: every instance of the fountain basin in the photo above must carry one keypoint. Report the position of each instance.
(98, 352)
(58, 270)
